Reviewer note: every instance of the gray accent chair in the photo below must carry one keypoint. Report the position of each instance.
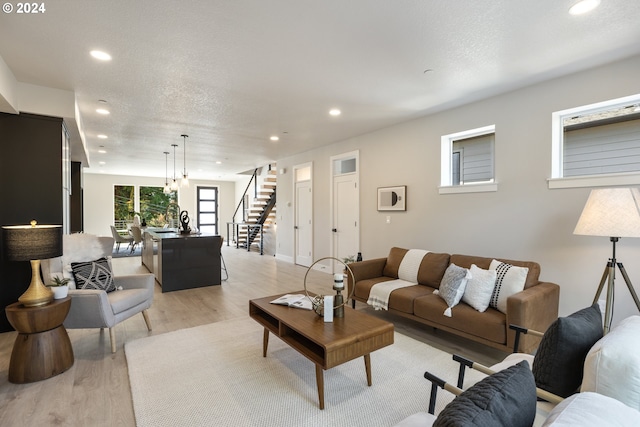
(92, 308)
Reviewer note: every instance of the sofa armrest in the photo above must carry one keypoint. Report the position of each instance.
(368, 269)
(135, 281)
(534, 308)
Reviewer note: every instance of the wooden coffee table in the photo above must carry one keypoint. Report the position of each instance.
(325, 344)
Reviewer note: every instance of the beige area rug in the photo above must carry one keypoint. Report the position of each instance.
(215, 375)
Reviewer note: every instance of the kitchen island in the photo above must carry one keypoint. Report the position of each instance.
(183, 261)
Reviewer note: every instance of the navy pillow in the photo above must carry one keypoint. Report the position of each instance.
(559, 362)
(506, 398)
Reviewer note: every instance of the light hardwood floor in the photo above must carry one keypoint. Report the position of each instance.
(95, 390)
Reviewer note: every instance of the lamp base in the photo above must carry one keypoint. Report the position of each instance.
(37, 294)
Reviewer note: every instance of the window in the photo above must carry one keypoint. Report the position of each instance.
(153, 205)
(597, 144)
(208, 209)
(151, 202)
(123, 208)
(467, 161)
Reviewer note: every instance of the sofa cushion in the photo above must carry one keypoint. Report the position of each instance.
(533, 277)
(558, 365)
(479, 288)
(93, 275)
(363, 287)
(506, 398)
(403, 299)
(432, 269)
(490, 325)
(592, 410)
(612, 366)
(452, 287)
(509, 281)
(393, 262)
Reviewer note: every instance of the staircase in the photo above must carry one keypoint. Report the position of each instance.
(260, 216)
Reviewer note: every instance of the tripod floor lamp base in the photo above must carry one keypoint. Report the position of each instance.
(609, 277)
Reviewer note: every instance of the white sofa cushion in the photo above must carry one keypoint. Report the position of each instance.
(612, 366)
(592, 410)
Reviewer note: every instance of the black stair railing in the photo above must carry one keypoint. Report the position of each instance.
(252, 232)
(254, 180)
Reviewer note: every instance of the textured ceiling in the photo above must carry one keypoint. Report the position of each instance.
(232, 73)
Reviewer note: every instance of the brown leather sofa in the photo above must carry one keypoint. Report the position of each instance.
(536, 307)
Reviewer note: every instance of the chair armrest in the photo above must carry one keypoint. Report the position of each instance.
(90, 308)
(520, 330)
(368, 269)
(135, 281)
(435, 383)
(464, 362)
(533, 308)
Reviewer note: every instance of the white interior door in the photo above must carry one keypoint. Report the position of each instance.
(303, 224)
(345, 208)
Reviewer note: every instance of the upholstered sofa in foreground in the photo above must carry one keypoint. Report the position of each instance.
(534, 307)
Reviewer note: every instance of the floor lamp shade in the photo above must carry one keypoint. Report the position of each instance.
(33, 243)
(611, 212)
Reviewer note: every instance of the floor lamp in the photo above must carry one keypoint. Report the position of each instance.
(613, 213)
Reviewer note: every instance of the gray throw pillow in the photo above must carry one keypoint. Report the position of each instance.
(506, 398)
(559, 362)
(93, 275)
(452, 286)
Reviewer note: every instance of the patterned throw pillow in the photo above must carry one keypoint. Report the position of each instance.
(452, 286)
(93, 275)
(509, 281)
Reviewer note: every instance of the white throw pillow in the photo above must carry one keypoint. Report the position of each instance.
(479, 288)
(509, 281)
(452, 286)
(612, 366)
(592, 410)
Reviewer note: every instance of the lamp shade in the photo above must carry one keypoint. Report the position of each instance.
(32, 242)
(611, 212)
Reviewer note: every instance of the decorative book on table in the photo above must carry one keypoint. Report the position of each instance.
(294, 300)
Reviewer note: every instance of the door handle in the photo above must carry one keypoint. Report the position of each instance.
(335, 230)
(295, 227)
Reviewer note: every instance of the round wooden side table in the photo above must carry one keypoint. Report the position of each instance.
(42, 348)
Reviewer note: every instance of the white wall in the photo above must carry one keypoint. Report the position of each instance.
(98, 199)
(523, 220)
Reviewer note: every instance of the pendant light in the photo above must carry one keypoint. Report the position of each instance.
(166, 189)
(174, 183)
(185, 175)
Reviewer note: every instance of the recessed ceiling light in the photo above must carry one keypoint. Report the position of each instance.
(102, 163)
(274, 138)
(102, 151)
(335, 112)
(583, 6)
(218, 162)
(102, 111)
(102, 136)
(102, 56)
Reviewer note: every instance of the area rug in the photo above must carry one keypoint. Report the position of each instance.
(215, 375)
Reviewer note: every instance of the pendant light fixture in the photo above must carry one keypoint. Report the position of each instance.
(174, 183)
(166, 189)
(185, 176)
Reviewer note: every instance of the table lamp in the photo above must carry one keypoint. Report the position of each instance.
(613, 213)
(33, 243)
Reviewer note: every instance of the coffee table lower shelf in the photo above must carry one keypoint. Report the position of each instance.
(326, 344)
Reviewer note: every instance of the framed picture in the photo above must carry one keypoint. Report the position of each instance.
(392, 198)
